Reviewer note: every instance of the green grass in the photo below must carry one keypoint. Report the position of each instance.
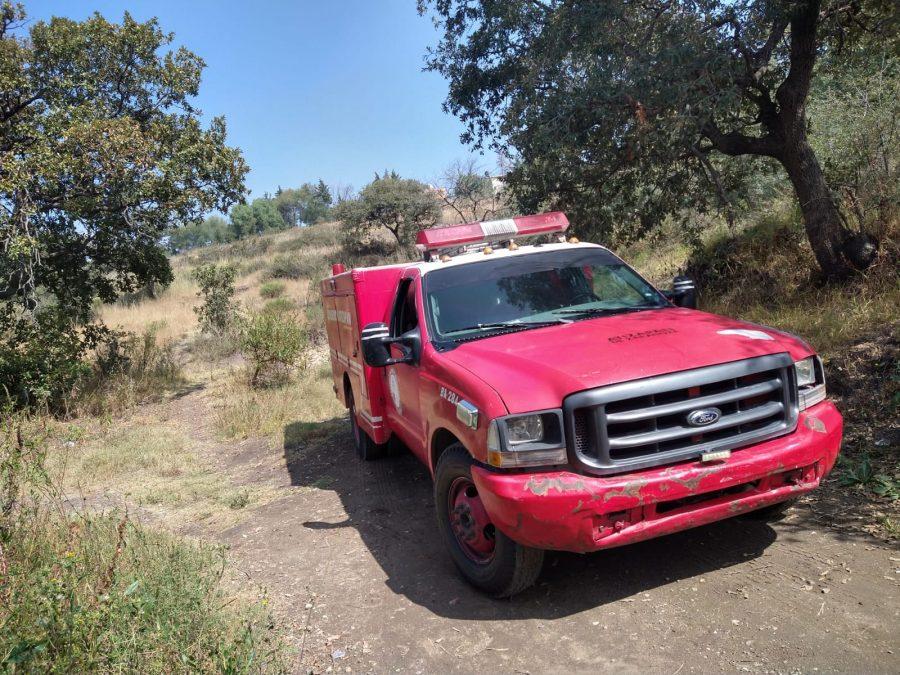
(271, 289)
(279, 306)
(91, 592)
(101, 594)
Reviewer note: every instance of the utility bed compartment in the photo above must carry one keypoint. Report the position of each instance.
(350, 300)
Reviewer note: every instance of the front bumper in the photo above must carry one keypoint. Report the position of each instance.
(561, 510)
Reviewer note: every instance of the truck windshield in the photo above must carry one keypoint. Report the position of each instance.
(533, 290)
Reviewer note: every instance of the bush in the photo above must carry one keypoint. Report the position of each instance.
(42, 357)
(217, 312)
(94, 593)
(279, 306)
(127, 370)
(273, 345)
(271, 289)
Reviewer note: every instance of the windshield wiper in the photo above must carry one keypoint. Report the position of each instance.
(510, 324)
(599, 311)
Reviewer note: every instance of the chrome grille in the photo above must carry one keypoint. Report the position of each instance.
(643, 423)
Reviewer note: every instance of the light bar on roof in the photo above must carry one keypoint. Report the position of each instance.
(435, 238)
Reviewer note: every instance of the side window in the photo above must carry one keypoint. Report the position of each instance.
(404, 318)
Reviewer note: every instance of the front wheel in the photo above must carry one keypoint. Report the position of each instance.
(487, 558)
(772, 513)
(366, 449)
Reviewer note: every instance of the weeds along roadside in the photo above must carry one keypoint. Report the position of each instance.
(113, 433)
(83, 591)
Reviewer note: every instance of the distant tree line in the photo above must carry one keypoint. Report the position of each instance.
(309, 204)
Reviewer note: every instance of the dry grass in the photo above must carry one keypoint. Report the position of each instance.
(764, 272)
(244, 412)
(156, 465)
(828, 318)
(172, 311)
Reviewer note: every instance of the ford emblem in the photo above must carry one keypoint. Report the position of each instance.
(703, 417)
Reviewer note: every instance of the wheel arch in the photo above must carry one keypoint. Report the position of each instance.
(441, 439)
(348, 389)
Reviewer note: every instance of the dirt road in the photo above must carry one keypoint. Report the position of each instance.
(350, 556)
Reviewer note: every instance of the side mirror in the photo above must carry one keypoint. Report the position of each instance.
(683, 293)
(376, 346)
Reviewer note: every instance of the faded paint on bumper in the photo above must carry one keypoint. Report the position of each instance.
(566, 511)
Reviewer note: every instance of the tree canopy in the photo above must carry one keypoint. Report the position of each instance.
(401, 206)
(261, 215)
(621, 109)
(101, 151)
(306, 205)
(471, 194)
(213, 230)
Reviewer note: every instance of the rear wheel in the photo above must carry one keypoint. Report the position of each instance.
(486, 557)
(366, 449)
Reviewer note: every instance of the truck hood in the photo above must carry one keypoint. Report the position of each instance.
(535, 369)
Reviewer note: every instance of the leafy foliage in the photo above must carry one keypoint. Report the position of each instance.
(401, 206)
(861, 473)
(622, 111)
(307, 205)
(271, 289)
(42, 357)
(259, 216)
(273, 343)
(855, 107)
(101, 152)
(216, 282)
(213, 230)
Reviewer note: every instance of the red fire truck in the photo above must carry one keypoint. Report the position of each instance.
(561, 402)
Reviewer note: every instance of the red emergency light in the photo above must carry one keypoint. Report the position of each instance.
(435, 238)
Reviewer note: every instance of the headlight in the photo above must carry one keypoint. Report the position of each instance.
(535, 439)
(810, 381)
(524, 429)
(806, 371)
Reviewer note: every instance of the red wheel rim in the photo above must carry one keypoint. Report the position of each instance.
(470, 522)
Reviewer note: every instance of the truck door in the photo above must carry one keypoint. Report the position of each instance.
(403, 380)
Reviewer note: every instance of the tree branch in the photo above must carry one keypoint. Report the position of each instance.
(791, 94)
(734, 143)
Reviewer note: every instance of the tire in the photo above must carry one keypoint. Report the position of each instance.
(772, 513)
(486, 557)
(366, 449)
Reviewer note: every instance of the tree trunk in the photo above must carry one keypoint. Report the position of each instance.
(824, 228)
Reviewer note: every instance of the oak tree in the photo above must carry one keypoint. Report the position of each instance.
(102, 150)
(635, 101)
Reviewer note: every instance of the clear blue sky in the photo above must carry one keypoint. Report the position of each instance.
(310, 89)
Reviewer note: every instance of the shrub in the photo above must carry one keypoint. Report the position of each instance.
(42, 357)
(127, 370)
(271, 289)
(279, 306)
(217, 312)
(272, 343)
